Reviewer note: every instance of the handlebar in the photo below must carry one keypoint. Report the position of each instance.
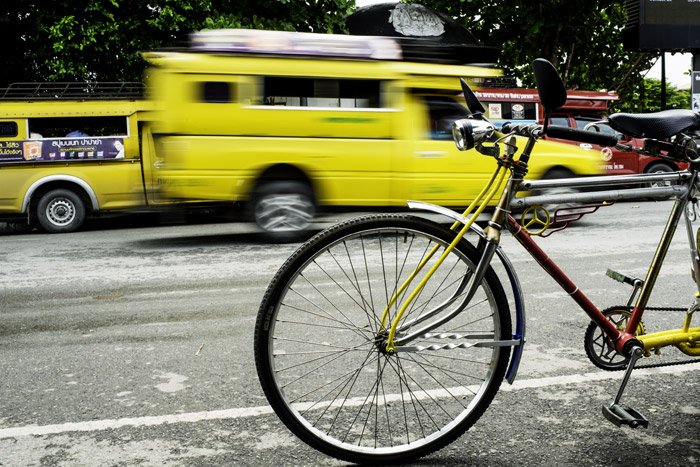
(563, 132)
(583, 136)
(522, 129)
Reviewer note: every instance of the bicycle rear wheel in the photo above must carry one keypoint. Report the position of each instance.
(318, 335)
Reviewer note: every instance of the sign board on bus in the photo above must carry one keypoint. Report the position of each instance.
(62, 149)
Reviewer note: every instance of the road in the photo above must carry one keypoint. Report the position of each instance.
(133, 346)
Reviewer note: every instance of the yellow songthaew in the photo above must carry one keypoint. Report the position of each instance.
(286, 123)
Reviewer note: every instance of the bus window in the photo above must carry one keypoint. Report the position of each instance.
(61, 127)
(8, 129)
(217, 92)
(318, 92)
(443, 111)
(559, 121)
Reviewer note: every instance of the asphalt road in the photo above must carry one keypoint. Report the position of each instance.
(133, 346)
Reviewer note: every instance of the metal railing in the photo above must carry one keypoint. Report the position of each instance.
(73, 91)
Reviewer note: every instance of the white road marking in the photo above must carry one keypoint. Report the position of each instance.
(246, 412)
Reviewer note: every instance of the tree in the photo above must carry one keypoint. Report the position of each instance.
(582, 38)
(646, 97)
(92, 40)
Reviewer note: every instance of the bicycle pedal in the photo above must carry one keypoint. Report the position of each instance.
(623, 278)
(622, 415)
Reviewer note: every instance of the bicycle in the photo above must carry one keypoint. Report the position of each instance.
(386, 337)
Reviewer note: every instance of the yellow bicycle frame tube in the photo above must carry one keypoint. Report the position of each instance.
(482, 199)
(685, 339)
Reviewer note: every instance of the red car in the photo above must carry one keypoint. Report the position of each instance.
(618, 162)
(517, 105)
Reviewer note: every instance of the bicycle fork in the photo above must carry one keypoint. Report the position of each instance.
(398, 336)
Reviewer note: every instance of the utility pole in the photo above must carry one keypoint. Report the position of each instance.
(663, 80)
(695, 81)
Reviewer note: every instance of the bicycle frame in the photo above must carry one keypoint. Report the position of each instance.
(685, 188)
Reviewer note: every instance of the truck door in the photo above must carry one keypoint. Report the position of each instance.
(443, 174)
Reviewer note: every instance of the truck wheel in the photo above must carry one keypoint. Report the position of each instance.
(555, 174)
(283, 210)
(60, 211)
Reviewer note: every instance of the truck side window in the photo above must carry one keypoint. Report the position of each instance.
(217, 92)
(8, 129)
(443, 111)
(60, 127)
(604, 128)
(321, 92)
(559, 121)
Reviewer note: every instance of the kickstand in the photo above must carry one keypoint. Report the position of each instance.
(620, 414)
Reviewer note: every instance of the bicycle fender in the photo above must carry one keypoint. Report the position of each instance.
(516, 289)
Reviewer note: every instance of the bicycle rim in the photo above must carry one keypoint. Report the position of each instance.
(317, 343)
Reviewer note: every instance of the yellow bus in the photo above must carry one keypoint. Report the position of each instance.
(287, 123)
(69, 151)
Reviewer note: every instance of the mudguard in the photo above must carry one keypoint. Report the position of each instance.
(519, 331)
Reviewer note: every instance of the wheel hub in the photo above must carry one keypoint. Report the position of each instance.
(60, 212)
(287, 212)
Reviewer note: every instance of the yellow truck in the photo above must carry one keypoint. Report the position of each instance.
(287, 123)
(73, 150)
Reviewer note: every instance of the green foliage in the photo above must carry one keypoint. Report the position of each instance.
(646, 97)
(76, 40)
(582, 38)
(69, 40)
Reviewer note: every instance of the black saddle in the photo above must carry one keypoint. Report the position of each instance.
(656, 125)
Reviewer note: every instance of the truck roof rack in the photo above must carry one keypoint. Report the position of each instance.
(73, 91)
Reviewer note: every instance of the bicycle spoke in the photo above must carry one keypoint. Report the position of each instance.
(327, 355)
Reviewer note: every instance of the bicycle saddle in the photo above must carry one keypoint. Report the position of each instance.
(656, 125)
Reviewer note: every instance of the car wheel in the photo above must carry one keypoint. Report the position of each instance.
(60, 211)
(659, 168)
(283, 209)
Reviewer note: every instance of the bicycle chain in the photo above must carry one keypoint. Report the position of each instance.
(655, 365)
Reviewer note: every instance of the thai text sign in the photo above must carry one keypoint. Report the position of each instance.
(61, 149)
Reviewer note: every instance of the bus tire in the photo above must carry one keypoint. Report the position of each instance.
(283, 209)
(60, 211)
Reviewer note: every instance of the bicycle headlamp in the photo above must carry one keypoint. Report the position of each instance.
(467, 133)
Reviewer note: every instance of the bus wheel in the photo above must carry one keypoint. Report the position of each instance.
(283, 209)
(60, 211)
(561, 191)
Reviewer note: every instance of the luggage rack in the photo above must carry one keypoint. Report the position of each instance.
(73, 91)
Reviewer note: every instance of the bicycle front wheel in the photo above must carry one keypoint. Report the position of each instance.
(319, 335)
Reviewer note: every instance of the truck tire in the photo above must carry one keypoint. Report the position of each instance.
(556, 174)
(60, 211)
(283, 209)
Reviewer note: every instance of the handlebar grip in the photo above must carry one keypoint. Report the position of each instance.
(583, 136)
(521, 129)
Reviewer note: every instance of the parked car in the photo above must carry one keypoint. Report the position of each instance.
(616, 161)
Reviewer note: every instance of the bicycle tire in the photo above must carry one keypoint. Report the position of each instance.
(316, 346)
